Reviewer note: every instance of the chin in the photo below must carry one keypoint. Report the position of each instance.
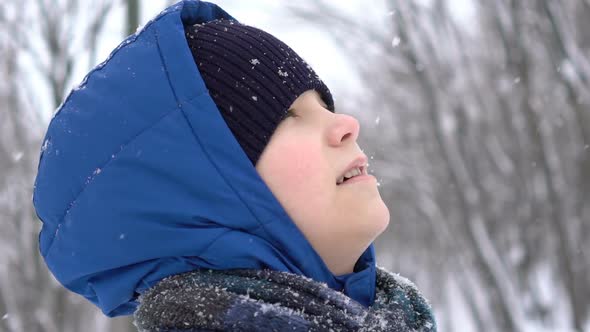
(378, 219)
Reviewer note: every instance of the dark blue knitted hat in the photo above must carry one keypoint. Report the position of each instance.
(252, 77)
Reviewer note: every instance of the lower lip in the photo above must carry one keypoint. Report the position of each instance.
(359, 178)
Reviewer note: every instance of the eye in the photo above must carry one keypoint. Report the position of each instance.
(290, 113)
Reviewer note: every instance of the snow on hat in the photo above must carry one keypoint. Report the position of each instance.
(253, 78)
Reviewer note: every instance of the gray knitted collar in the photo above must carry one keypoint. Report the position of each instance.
(265, 300)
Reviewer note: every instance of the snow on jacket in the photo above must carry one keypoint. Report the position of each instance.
(264, 300)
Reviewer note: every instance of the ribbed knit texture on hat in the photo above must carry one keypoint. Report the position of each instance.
(253, 78)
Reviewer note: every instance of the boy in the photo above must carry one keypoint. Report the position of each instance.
(200, 179)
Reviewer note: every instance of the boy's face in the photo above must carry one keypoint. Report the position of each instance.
(301, 164)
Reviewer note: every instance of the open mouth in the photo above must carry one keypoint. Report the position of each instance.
(357, 171)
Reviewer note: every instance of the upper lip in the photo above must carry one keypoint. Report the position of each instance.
(360, 162)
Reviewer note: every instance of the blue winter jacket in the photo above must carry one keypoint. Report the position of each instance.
(140, 178)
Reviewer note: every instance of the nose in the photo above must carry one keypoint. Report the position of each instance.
(344, 128)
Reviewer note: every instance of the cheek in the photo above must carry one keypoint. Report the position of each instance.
(297, 167)
(297, 177)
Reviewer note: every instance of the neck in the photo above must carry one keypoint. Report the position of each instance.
(340, 260)
(341, 269)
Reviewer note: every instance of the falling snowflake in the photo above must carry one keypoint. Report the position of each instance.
(254, 61)
(17, 156)
(254, 98)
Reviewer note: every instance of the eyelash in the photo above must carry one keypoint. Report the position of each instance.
(290, 113)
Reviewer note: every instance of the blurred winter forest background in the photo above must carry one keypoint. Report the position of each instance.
(475, 114)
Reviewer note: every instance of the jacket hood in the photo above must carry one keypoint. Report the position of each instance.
(140, 178)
